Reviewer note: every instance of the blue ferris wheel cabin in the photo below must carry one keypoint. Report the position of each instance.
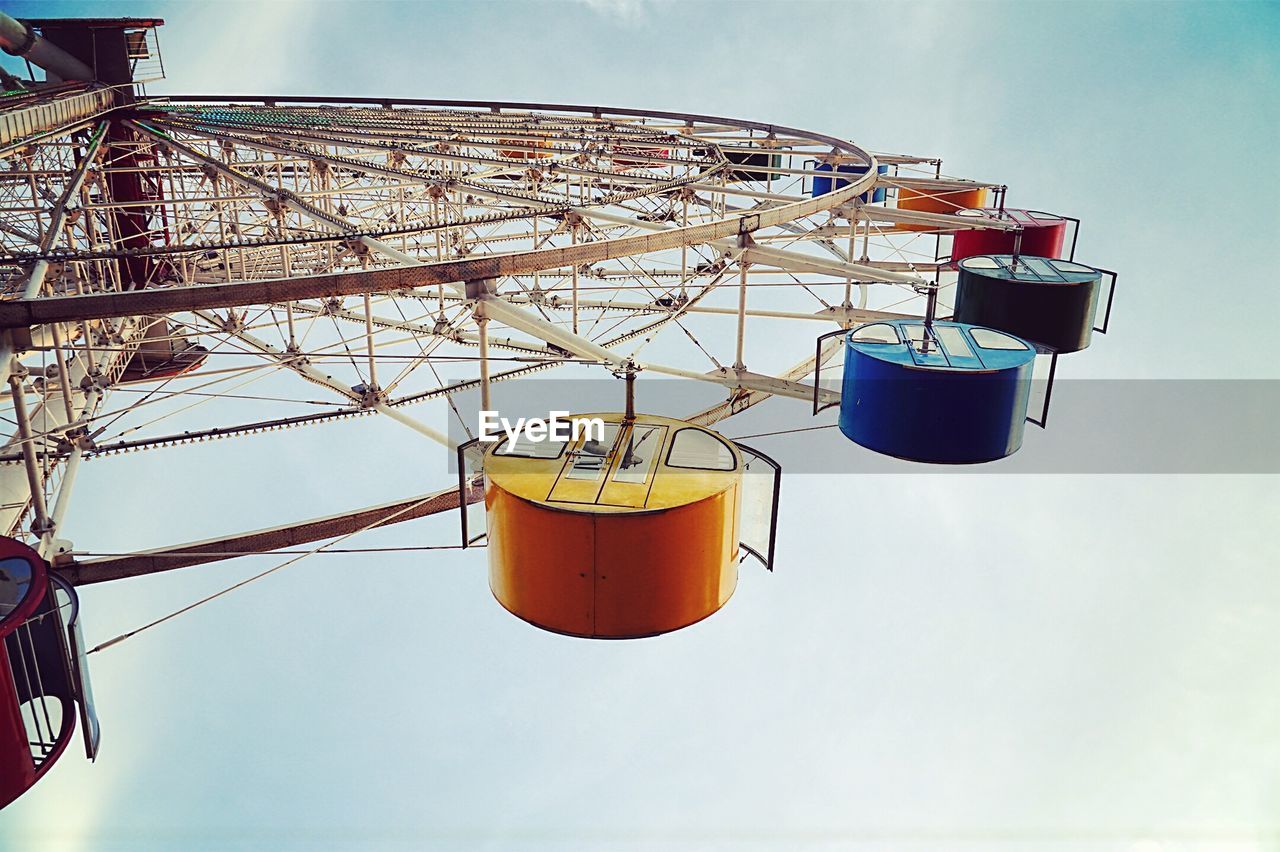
(942, 392)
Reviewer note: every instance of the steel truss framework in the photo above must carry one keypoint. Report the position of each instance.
(340, 258)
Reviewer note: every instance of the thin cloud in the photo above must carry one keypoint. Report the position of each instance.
(624, 11)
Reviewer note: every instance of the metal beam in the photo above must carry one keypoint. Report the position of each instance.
(779, 258)
(946, 221)
(836, 144)
(497, 309)
(154, 561)
(834, 314)
(797, 262)
(58, 215)
(19, 39)
(730, 189)
(302, 366)
(748, 381)
(22, 312)
(420, 329)
(743, 400)
(352, 139)
(290, 199)
(293, 360)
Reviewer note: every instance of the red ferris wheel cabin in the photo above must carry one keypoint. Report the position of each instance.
(44, 683)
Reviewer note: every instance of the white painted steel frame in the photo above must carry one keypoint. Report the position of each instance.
(563, 189)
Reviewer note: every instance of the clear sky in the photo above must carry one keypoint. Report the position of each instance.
(987, 662)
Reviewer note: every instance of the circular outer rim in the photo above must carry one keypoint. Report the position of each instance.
(674, 237)
(169, 299)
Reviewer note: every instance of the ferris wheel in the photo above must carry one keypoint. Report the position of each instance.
(182, 269)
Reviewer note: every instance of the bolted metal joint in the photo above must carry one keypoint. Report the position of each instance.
(371, 396)
(294, 357)
(94, 380)
(76, 436)
(232, 322)
(479, 288)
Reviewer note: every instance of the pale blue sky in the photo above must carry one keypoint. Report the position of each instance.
(978, 663)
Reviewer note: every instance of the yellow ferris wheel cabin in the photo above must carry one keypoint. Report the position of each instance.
(630, 529)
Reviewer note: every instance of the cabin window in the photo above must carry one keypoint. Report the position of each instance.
(879, 332)
(982, 262)
(916, 333)
(592, 458)
(988, 339)
(700, 450)
(1042, 268)
(135, 42)
(923, 340)
(15, 581)
(953, 341)
(638, 453)
(1073, 268)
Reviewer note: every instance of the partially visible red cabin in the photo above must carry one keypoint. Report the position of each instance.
(635, 156)
(43, 676)
(163, 354)
(1042, 235)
